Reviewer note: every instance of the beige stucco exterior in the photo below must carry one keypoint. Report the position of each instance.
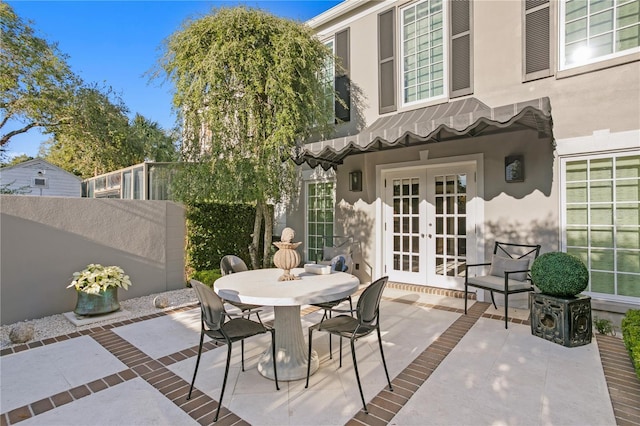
(45, 239)
(595, 109)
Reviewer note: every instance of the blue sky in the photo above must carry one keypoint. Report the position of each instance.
(115, 43)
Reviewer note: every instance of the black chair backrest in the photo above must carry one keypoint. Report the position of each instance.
(516, 251)
(230, 264)
(369, 302)
(211, 305)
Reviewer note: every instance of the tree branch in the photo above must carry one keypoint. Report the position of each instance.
(5, 138)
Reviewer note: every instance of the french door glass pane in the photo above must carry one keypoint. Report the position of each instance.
(450, 220)
(406, 215)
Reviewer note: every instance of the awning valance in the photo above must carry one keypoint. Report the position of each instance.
(453, 120)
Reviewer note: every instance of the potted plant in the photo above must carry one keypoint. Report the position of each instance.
(97, 289)
(559, 312)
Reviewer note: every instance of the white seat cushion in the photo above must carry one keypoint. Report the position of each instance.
(497, 283)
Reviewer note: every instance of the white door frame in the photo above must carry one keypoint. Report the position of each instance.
(474, 253)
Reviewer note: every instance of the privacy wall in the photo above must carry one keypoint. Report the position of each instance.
(43, 240)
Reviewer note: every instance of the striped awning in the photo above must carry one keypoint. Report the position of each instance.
(463, 118)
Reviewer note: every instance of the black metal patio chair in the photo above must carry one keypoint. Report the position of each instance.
(216, 324)
(230, 264)
(508, 274)
(367, 320)
(337, 264)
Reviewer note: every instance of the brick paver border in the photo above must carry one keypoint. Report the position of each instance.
(624, 386)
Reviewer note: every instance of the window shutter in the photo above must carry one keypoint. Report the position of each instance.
(386, 61)
(537, 39)
(461, 54)
(342, 83)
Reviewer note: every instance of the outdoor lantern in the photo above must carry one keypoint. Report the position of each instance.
(355, 181)
(514, 168)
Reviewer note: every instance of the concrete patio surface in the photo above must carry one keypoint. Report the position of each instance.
(446, 369)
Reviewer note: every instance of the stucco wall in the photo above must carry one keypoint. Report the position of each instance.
(45, 239)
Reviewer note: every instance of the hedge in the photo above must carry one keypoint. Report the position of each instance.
(215, 230)
(631, 336)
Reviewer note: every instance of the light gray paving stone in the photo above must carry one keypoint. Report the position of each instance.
(133, 402)
(41, 372)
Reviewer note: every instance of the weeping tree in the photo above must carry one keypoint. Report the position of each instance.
(249, 87)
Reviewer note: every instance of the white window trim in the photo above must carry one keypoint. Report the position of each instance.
(563, 214)
(561, 48)
(315, 176)
(445, 60)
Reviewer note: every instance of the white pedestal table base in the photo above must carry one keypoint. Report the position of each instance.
(291, 348)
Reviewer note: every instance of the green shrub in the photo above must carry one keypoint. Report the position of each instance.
(207, 277)
(631, 336)
(559, 274)
(215, 230)
(604, 326)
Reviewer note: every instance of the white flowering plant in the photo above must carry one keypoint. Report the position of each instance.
(95, 278)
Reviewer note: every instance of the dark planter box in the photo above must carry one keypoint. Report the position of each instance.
(566, 321)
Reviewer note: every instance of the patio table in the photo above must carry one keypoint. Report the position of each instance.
(261, 287)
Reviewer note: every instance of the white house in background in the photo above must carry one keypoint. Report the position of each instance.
(40, 178)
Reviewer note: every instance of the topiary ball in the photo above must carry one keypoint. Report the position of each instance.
(559, 274)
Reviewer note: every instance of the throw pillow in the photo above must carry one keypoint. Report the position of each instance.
(501, 264)
(328, 253)
(341, 263)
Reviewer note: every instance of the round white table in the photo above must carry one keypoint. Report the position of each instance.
(261, 287)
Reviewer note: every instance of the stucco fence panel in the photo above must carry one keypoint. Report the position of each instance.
(43, 240)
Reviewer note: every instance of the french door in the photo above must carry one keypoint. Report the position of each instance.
(429, 223)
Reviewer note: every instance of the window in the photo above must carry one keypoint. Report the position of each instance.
(595, 30)
(335, 77)
(320, 212)
(328, 78)
(423, 51)
(602, 217)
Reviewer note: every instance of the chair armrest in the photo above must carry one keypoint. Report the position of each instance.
(470, 265)
(516, 272)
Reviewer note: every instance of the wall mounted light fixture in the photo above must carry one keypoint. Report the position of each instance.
(355, 181)
(514, 168)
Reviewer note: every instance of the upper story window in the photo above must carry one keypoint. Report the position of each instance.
(596, 30)
(328, 77)
(423, 47)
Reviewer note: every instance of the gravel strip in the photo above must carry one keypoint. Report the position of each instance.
(56, 325)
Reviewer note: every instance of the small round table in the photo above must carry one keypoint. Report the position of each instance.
(261, 287)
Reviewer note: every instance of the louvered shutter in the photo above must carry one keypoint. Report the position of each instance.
(342, 83)
(386, 62)
(461, 49)
(537, 39)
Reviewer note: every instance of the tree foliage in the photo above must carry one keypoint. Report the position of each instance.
(16, 160)
(88, 124)
(36, 83)
(100, 139)
(158, 145)
(247, 89)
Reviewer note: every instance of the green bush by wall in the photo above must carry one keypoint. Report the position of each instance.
(215, 230)
(207, 277)
(631, 336)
